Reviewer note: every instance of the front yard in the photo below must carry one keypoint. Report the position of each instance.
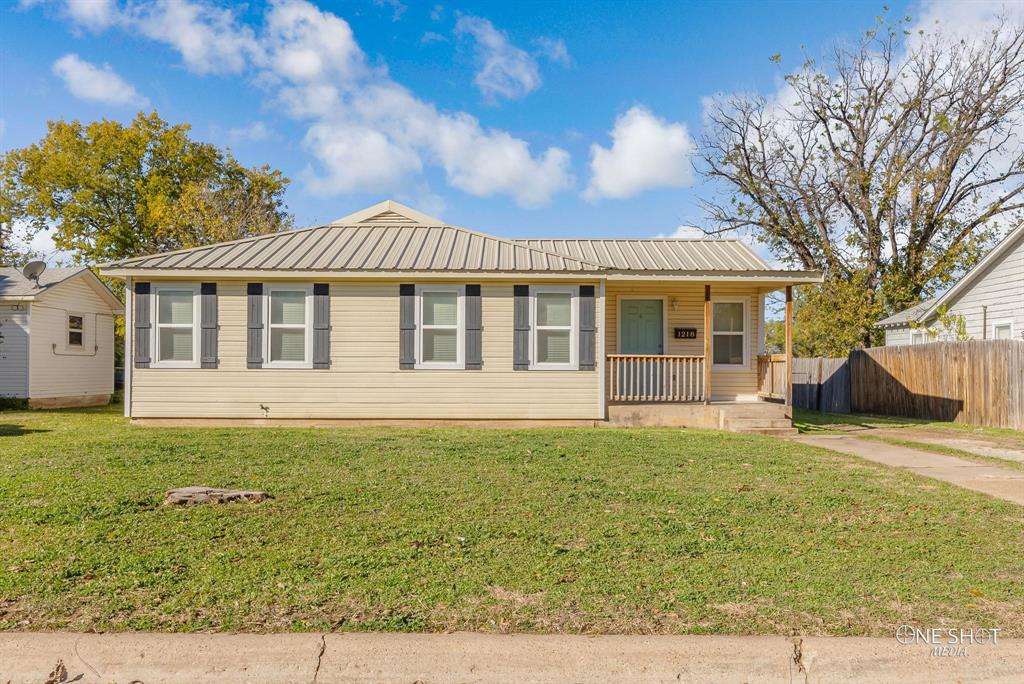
(553, 530)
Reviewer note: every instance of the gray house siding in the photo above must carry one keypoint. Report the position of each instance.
(14, 322)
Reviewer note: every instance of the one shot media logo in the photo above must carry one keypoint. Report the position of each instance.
(948, 642)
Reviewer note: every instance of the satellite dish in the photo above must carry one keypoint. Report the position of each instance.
(33, 270)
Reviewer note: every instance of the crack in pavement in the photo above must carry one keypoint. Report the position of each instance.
(798, 658)
(320, 656)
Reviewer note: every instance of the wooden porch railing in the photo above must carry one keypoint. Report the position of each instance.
(771, 376)
(655, 377)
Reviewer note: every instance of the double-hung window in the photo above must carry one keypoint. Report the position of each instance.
(729, 329)
(288, 312)
(175, 317)
(917, 337)
(76, 330)
(440, 326)
(554, 322)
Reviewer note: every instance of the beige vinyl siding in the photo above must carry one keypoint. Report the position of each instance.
(70, 372)
(684, 308)
(1001, 288)
(364, 380)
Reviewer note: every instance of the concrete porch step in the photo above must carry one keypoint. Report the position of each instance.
(745, 423)
(772, 432)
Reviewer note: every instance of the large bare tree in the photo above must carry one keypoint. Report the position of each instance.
(892, 164)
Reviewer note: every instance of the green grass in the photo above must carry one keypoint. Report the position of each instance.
(817, 422)
(547, 530)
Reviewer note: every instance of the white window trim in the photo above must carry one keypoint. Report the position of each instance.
(268, 288)
(155, 342)
(919, 335)
(460, 328)
(1000, 323)
(68, 330)
(574, 327)
(745, 301)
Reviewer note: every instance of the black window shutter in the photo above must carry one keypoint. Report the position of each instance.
(474, 326)
(521, 327)
(588, 327)
(208, 325)
(406, 326)
(254, 336)
(143, 324)
(321, 325)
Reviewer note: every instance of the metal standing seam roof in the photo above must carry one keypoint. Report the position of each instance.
(658, 254)
(366, 248)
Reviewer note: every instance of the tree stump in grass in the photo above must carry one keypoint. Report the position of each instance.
(189, 496)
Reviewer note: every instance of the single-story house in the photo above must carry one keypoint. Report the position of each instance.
(990, 298)
(57, 337)
(392, 315)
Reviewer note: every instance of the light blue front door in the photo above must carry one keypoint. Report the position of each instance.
(641, 327)
(641, 331)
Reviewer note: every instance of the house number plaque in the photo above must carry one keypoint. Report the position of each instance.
(685, 333)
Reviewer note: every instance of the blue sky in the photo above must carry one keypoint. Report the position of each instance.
(517, 118)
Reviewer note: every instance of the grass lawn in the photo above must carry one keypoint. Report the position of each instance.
(583, 530)
(817, 422)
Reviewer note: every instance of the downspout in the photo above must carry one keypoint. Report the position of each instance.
(984, 321)
(603, 359)
(129, 341)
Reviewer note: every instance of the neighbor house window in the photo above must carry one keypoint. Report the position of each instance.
(289, 311)
(1002, 330)
(175, 338)
(76, 330)
(554, 327)
(729, 348)
(440, 326)
(917, 338)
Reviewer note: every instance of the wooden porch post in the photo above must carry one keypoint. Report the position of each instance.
(707, 344)
(789, 345)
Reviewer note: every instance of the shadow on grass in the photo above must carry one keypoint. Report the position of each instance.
(12, 430)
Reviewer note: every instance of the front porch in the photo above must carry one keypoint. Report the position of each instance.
(692, 355)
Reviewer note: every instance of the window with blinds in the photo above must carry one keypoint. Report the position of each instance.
(288, 322)
(554, 327)
(440, 326)
(175, 323)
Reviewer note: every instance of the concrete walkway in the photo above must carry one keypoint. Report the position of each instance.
(481, 658)
(1002, 483)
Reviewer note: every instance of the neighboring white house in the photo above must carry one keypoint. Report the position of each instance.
(990, 298)
(57, 337)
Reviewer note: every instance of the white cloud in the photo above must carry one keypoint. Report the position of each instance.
(647, 152)
(683, 232)
(505, 70)
(92, 14)
(554, 50)
(397, 7)
(209, 39)
(433, 37)
(257, 131)
(365, 132)
(94, 83)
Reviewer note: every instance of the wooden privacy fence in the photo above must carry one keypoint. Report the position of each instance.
(822, 384)
(980, 382)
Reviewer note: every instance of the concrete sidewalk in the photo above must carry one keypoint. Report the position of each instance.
(1002, 483)
(469, 657)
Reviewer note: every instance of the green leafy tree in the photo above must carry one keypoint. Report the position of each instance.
(947, 326)
(108, 191)
(891, 166)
